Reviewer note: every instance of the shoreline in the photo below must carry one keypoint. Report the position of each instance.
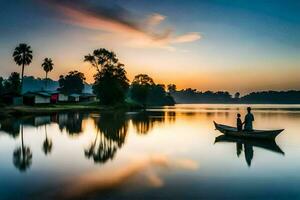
(23, 110)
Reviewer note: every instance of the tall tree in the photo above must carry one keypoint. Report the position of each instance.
(72, 83)
(140, 88)
(22, 56)
(111, 83)
(237, 95)
(1, 85)
(172, 88)
(146, 92)
(47, 65)
(13, 83)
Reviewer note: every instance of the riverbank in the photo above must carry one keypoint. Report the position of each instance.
(11, 111)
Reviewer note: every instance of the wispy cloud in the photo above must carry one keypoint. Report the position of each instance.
(122, 24)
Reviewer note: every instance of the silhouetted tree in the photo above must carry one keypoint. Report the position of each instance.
(190, 95)
(237, 95)
(1, 85)
(22, 156)
(159, 97)
(72, 83)
(111, 83)
(47, 145)
(146, 92)
(22, 56)
(172, 88)
(140, 88)
(272, 97)
(13, 83)
(47, 65)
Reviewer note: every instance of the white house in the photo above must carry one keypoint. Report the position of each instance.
(63, 97)
(74, 97)
(87, 97)
(32, 98)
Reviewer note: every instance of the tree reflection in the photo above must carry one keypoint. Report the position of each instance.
(11, 126)
(71, 122)
(144, 121)
(22, 156)
(248, 145)
(111, 133)
(47, 144)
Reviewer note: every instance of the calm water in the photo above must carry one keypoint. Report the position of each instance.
(165, 153)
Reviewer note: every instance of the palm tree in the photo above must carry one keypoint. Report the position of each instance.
(22, 56)
(48, 67)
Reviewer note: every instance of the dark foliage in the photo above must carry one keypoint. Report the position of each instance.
(111, 83)
(272, 97)
(72, 83)
(12, 84)
(140, 88)
(1, 86)
(193, 96)
(146, 92)
(47, 66)
(172, 88)
(289, 97)
(22, 56)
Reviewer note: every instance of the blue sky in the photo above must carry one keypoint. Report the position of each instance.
(217, 44)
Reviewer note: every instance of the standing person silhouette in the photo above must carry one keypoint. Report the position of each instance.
(249, 118)
(239, 123)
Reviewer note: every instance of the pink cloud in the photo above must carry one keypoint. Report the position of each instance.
(121, 24)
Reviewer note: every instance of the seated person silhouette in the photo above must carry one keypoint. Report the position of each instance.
(239, 123)
(249, 118)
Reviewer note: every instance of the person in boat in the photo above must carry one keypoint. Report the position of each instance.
(249, 118)
(239, 123)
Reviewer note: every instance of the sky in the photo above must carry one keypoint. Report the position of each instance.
(233, 45)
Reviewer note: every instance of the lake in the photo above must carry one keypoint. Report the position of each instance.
(161, 153)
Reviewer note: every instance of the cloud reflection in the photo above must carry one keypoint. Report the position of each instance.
(97, 181)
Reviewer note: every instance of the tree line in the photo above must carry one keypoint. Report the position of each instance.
(111, 84)
(264, 97)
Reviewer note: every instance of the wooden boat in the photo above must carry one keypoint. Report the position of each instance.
(255, 134)
(264, 144)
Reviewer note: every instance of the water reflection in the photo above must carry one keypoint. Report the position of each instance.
(22, 156)
(143, 122)
(71, 122)
(11, 127)
(110, 135)
(156, 154)
(47, 145)
(110, 132)
(248, 145)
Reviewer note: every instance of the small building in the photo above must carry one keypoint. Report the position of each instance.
(12, 99)
(63, 97)
(74, 97)
(87, 97)
(54, 96)
(32, 98)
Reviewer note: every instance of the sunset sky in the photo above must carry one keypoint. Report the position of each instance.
(232, 45)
